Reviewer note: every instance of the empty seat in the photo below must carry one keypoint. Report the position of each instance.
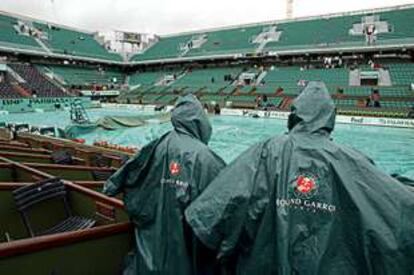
(99, 175)
(6, 87)
(63, 157)
(36, 81)
(99, 160)
(29, 196)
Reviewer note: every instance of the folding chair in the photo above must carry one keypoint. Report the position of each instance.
(29, 196)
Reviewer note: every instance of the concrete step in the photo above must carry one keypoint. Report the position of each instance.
(354, 78)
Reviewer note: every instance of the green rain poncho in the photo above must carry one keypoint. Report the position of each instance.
(301, 204)
(159, 183)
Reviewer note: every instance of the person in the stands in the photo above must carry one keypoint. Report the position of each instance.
(158, 184)
(302, 204)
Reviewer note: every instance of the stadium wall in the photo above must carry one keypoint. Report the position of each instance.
(355, 120)
(23, 105)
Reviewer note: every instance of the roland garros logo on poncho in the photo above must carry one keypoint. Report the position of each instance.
(303, 194)
(175, 168)
(175, 171)
(305, 185)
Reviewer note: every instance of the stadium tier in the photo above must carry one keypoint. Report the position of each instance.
(213, 98)
(37, 83)
(7, 88)
(209, 81)
(11, 38)
(150, 98)
(288, 78)
(251, 64)
(394, 91)
(166, 99)
(279, 83)
(169, 48)
(374, 112)
(83, 76)
(337, 31)
(41, 37)
(391, 27)
(345, 102)
(401, 73)
(234, 40)
(148, 78)
(66, 41)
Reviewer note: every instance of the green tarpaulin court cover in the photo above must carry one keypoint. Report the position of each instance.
(114, 123)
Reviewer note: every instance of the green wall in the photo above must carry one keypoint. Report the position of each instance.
(47, 103)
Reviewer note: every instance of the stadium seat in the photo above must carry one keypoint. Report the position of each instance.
(32, 195)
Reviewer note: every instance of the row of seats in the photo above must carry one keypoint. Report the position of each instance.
(58, 39)
(155, 98)
(397, 104)
(303, 34)
(149, 78)
(36, 82)
(376, 112)
(9, 36)
(212, 79)
(165, 48)
(85, 76)
(238, 40)
(66, 41)
(7, 90)
(394, 91)
(401, 73)
(150, 98)
(346, 105)
(345, 102)
(287, 78)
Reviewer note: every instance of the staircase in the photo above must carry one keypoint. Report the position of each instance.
(35, 81)
(162, 81)
(55, 80)
(354, 77)
(15, 75)
(262, 45)
(7, 88)
(260, 77)
(268, 35)
(43, 45)
(384, 78)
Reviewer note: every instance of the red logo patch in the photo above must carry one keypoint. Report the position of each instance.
(175, 168)
(305, 184)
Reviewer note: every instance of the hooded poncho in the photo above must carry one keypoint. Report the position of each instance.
(159, 183)
(301, 204)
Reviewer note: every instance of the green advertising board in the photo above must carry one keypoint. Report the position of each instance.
(46, 104)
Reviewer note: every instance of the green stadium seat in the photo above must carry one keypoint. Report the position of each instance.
(315, 33)
(85, 76)
(67, 41)
(9, 37)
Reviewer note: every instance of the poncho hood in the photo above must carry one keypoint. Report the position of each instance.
(188, 117)
(315, 109)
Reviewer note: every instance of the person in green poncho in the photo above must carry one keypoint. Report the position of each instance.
(302, 204)
(158, 185)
